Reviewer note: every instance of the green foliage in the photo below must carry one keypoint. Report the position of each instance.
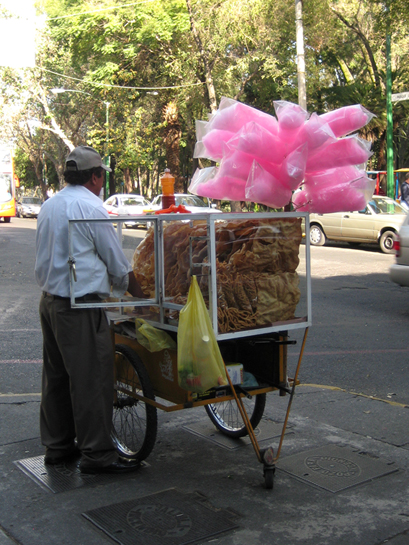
(103, 50)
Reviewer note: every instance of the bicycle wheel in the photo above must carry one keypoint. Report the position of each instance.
(134, 422)
(227, 418)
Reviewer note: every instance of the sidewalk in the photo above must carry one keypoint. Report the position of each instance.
(341, 479)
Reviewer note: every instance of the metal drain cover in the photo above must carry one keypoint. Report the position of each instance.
(265, 431)
(61, 477)
(165, 517)
(336, 468)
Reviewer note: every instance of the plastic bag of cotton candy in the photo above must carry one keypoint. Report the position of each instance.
(265, 159)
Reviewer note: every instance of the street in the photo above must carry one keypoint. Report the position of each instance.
(357, 342)
(341, 476)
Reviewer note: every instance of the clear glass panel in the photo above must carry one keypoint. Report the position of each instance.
(258, 273)
(260, 267)
(258, 282)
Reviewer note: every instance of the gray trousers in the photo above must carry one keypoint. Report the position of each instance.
(77, 383)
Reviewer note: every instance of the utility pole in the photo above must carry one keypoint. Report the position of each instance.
(302, 93)
(390, 182)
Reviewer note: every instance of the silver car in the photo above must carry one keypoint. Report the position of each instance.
(399, 272)
(28, 207)
(379, 222)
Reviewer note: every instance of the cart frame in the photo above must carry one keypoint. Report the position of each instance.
(173, 398)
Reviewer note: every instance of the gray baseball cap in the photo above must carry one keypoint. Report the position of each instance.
(85, 158)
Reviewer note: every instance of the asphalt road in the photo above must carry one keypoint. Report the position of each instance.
(358, 340)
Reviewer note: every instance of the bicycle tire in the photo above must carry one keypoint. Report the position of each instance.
(227, 418)
(134, 422)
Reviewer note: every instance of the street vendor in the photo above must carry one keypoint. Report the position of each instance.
(77, 383)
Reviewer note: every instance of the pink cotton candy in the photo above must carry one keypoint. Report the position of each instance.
(350, 150)
(201, 176)
(290, 116)
(300, 201)
(258, 142)
(292, 170)
(347, 119)
(233, 117)
(264, 188)
(268, 122)
(339, 198)
(265, 159)
(213, 142)
(333, 176)
(291, 125)
(336, 200)
(223, 188)
(236, 164)
(315, 132)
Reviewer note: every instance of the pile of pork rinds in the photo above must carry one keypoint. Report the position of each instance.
(256, 262)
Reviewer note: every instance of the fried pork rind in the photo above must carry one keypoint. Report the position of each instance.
(256, 262)
(277, 297)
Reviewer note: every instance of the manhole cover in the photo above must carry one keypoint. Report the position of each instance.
(335, 468)
(165, 517)
(265, 431)
(62, 477)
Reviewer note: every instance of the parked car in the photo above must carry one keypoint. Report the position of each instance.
(399, 271)
(194, 204)
(127, 205)
(379, 222)
(28, 207)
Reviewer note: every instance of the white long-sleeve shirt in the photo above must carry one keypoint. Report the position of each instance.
(99, 259)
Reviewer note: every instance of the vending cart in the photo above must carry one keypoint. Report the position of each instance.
(253, 270)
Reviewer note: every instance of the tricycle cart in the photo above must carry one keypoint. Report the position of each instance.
(260, 255)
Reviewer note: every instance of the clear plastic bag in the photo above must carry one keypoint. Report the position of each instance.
(200, 363)
(151, 338)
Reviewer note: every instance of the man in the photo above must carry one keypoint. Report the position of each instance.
(77, 383)
(404, 191)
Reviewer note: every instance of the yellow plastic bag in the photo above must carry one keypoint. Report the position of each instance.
(200, 363)
(151, 338)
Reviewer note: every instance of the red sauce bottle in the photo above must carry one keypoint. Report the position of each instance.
(168, 187)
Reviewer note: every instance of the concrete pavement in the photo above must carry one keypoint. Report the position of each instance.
(336, 440)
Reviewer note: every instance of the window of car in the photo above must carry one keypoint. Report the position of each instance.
(195, 201)
(386, 206)
(188, 200)
(134, 201)
(31, 200)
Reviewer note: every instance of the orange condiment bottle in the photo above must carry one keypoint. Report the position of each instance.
(168, 188)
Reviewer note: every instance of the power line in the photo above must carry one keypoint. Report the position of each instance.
(120, 86)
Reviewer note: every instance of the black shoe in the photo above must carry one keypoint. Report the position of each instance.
(55, 460)
(120, 466)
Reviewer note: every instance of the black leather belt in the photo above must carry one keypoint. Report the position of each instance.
(88, 298)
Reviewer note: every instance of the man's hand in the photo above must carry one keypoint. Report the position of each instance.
(134, 288)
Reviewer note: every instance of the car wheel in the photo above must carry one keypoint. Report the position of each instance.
(317, 236)
(386, 242)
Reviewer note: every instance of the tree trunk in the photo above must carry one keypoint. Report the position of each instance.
(173, 134)
(127, 181)
(112, 190)
(205, 59)
(302, 93)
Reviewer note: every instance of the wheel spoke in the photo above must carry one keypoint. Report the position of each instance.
(227, 418)
(134, 422)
